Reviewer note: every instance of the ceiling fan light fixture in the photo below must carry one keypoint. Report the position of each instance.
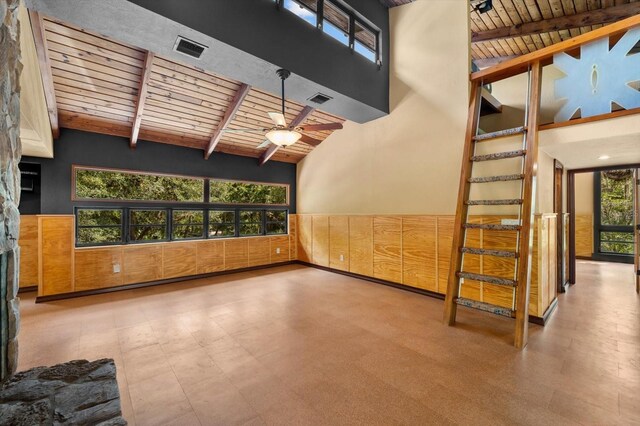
(283, 137)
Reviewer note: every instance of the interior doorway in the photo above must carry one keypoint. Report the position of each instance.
(603, 216)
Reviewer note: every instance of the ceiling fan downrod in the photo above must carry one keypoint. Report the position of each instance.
(283, 74)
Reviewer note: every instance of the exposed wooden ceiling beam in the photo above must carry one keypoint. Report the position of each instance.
(231, 111)
(489, 62)
(42, 51)
(142, 96)
(593, 17)
(300, 118)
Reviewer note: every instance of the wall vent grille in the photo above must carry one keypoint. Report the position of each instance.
(189, 47)
(320, 98)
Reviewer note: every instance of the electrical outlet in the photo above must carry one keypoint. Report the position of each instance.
(116, 268)
(278, 250)
(342, 258)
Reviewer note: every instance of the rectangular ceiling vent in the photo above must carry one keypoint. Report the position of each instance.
(320, 98)
(189, 47)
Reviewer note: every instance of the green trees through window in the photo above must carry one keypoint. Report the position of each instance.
(98, 184)
(230, 192)
(615, 228)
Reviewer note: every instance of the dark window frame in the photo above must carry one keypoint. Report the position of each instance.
(234, 223)
(598, 227)
(353, 19)
(109, 243)
(204, 223)
(126, 225)
(167, 226)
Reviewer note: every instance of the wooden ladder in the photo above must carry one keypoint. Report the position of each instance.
(526, 203)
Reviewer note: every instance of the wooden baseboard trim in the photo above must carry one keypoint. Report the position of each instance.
(376, 280)
(547, 314)
(63, 296)
(532, 319)
(27, 289)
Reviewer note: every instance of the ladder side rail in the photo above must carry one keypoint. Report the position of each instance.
(462, 209)
(525, 243)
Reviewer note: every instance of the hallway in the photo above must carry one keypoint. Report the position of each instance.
(297, 345)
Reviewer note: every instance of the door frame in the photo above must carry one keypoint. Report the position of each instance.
(571, 201)
(558, 209)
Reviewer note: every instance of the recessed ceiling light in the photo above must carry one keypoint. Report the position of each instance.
(603, 157)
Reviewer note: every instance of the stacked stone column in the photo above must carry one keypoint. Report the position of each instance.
(10, 152)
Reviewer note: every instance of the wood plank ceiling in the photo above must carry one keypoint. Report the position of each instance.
(98, 87)
(507, 13)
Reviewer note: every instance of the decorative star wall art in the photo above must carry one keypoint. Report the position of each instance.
(599, 78)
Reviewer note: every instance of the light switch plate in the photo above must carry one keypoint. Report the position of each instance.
(278, 250)
(116, 268)
(342, 258)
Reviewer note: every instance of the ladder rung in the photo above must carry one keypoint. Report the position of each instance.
(511, 202)
(500, 134)
(488, 279)
(488, 252)
(486, 307)
(492, 227)
(499, 155)
(501, 178)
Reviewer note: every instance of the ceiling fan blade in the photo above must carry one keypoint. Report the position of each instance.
(278, 118)
(309, 140)
(264, 144)
(319, 127)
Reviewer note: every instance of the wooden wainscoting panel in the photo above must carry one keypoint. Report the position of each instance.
(552, 285)
(419, 260)
(293, 237)
(142, 263)
(28, 243)
(584, 235)
(179, 259)
(55, 254)
(305, 238)
(320, 240)
(445, 242)
(279, 248)
(339, 242)
(498, 266)
(361, 245)
(210, 256)
(387, 248)
(471, 289)
(96, 268)
(536, 265)
(259, 251)
(236, 253)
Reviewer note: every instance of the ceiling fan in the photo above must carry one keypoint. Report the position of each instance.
(283, 134)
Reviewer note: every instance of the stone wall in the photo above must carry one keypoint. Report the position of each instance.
(10, 152)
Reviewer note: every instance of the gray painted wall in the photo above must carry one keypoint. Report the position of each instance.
(92, 149)
(280, 37)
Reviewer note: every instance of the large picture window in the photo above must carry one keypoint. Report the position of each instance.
(614, 212)
(146, 208)
(234, 192)
(102, 184)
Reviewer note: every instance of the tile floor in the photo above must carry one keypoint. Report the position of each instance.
(296, 345)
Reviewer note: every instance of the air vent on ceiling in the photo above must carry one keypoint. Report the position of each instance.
(320, 98)
(189, 47)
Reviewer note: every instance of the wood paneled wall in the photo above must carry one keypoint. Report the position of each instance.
(28, 251)
(584, 235)
(51, 260)
(415, 251)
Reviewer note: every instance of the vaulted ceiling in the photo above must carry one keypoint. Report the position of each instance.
(97, 84)
(517, 27)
